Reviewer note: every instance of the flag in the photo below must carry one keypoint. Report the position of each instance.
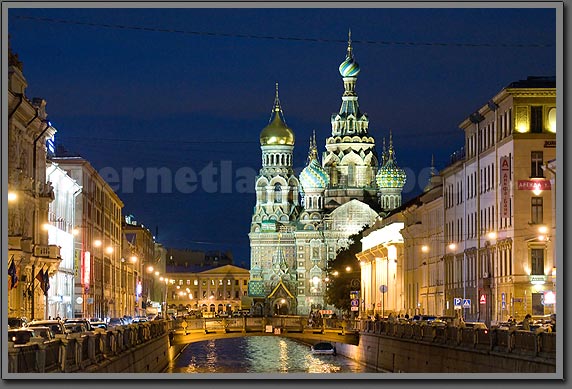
(40, 278)
(46, 282)
(13, 275)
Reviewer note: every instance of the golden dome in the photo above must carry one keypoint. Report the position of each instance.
(277, 132)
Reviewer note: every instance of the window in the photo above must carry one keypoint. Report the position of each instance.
(536, 119)
(537, 261)
(536, 208)
(188, 282)
(180, 282)
(228, 282)
(536, 164)
(204, 283)
(277, 193)
(195, 282)
(220, 282)
(212, 282)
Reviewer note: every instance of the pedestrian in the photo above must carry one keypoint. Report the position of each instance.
(461, 322)
(526, 322)
(406, 316)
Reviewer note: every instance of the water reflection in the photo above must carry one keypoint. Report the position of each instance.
(259, 354)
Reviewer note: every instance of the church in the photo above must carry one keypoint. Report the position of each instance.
(300, 222)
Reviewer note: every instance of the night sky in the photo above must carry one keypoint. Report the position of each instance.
(189, 90)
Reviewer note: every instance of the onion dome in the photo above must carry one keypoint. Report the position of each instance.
(277, 132)
(390, 175)
(349, 68)
(313, 176)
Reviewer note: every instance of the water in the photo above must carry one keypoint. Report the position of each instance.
(259, 354)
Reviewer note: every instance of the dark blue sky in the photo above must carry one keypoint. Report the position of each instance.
(128, 98)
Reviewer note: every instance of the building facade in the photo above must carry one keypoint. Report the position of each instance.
(497, 205)
(97, 251)
(144, 262)
(61, 219)
(220, 289)
(31, 258)
(299, 223)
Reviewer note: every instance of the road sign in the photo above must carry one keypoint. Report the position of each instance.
(503, 304)
(483, 299)
(383, 288)
(457, 302)
(466, 303)
(355, 303)
(355, 308)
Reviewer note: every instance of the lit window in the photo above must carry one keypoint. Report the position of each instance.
(537, 261)
(195, 282)
(536, 210)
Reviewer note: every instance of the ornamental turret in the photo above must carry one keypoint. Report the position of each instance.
(390, 180)
(313, 180)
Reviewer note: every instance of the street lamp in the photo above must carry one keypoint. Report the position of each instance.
(425, 250)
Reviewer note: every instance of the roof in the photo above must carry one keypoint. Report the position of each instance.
(534, 82)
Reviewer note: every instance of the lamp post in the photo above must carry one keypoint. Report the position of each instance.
(425, 250)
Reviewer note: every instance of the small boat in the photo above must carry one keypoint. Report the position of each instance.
(324, 348)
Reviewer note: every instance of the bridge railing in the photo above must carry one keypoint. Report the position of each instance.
(77, 352)
(524, 343)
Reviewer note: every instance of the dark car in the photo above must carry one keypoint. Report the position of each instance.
(75, 327)
(115, 321)
(99, 324)
(20, 335)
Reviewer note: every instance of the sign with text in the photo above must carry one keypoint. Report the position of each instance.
(483, 299)
(466, 303)
(457, 302)
(534, 185)
(505, 186)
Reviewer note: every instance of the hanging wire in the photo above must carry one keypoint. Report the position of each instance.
(274, 37)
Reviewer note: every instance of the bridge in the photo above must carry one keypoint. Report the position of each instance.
(297, 327)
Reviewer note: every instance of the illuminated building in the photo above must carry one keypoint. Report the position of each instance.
(299, 223)
(97, 251)
(497, 205)
(29, 195)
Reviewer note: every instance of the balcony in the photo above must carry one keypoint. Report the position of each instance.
(47, 251)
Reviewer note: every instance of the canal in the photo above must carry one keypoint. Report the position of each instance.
(259, 354)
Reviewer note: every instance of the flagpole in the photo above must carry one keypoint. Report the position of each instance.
(33, 288)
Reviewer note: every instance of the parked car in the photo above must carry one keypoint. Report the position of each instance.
(20, 335)
(423, 319)
(57, 326)
(44, 332)
(140, 319)
(115, 321)
(477, 325)
(86, 323)
(127, 319)
(75, 327)
(98, 324)
(17, 322)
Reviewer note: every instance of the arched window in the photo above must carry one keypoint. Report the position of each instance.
(277, 193)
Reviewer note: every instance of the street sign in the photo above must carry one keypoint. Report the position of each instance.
(383, 288)
(355, 308)
(466, 303)
(503, 304)
(483, 299)
(457, 302)
(355, 303)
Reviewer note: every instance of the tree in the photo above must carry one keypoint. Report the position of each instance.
(345, 273)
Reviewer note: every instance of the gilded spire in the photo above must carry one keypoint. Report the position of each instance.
(383, 152)
(390, 151)
(277, 107)
(313, 150)
(350, 54)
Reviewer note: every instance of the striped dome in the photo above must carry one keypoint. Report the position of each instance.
(314, 177)
(349, 68)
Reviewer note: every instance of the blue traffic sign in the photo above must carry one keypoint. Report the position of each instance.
(466, 303)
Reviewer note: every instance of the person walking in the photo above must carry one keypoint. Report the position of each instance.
(526, 322)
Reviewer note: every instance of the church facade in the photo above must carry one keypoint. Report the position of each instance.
(300, 222)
